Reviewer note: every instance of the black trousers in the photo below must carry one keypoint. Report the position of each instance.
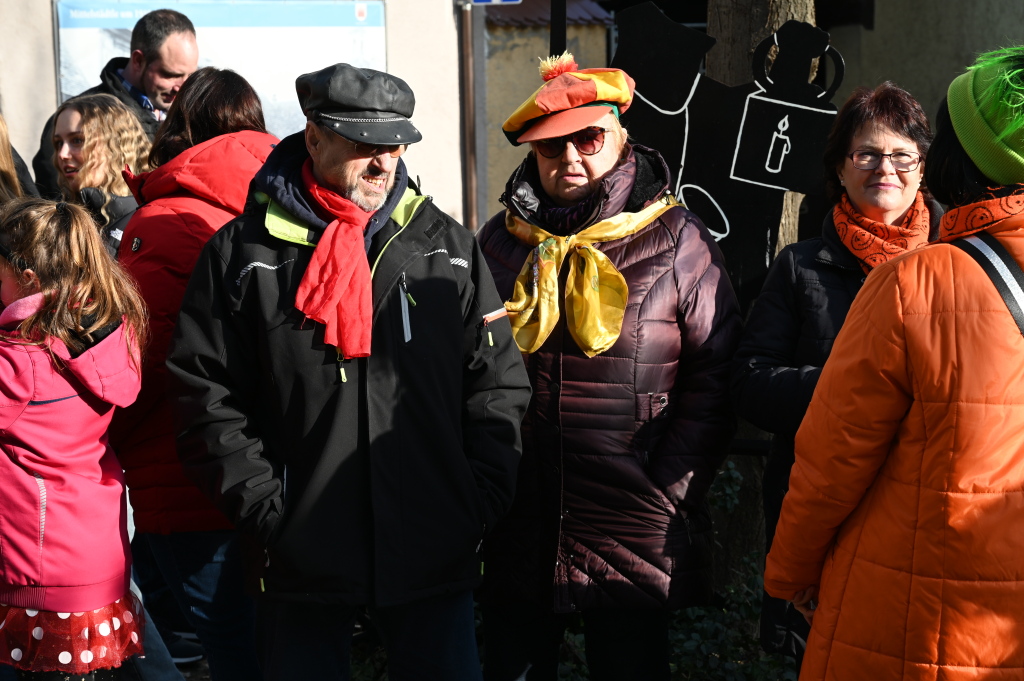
(523, 643)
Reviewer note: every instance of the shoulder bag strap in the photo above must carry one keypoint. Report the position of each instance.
(1001, 268)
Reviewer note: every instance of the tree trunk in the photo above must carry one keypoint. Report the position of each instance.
(739, 26)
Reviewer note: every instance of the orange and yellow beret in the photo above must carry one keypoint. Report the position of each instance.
(570, 99)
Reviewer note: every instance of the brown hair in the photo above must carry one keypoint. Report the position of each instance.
(10, 187)
(84, 289)
(212, 102)
(114, 138)
(154, 28)
(887, 106)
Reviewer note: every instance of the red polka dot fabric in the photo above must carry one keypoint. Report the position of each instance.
(71, 642)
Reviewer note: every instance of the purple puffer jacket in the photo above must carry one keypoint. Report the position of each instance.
(620, 449)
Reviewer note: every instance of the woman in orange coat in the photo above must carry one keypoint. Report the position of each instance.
(901, 536)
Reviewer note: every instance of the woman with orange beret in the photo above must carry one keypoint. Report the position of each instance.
(620, 303)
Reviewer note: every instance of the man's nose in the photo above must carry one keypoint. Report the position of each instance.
(385, 162)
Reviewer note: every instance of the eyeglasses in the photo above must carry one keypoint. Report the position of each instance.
(364, 150)
(587, 141)
(903, 161)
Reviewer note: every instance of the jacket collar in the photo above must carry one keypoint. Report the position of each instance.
(639, 180)
(280, 181)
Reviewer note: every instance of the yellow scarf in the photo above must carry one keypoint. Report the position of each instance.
(595, 292)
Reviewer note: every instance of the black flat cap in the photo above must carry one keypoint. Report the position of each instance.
(362, 105)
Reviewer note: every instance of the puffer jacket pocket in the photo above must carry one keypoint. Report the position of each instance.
(651, 417)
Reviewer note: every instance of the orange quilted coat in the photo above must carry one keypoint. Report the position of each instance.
(906, 502)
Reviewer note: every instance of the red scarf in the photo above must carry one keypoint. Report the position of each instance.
(336, 289)
(873, 242)
(984, 214)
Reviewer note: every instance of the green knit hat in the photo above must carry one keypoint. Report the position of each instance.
(986, 105)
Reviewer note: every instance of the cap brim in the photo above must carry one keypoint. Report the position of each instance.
(376, 129)
(564, 123)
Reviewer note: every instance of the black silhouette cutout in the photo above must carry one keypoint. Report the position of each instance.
(733, 151)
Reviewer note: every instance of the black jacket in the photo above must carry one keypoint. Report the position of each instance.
(28, 186)
(111, 217)
(370, 480)
(792, 326)
(110, 84)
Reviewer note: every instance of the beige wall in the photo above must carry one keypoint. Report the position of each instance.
(28, 81)
(423, 50)
(512, 75)
(923, 44)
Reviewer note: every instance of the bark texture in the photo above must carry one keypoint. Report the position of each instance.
(739, 26)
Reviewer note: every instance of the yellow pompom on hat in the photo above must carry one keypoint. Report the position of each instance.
(570, 99)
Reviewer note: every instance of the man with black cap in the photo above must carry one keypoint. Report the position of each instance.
(351, 392)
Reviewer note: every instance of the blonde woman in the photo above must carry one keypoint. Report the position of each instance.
(94, 138)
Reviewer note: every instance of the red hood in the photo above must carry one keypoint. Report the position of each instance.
(209, 170)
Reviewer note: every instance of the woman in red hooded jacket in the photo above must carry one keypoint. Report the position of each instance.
(211, 145)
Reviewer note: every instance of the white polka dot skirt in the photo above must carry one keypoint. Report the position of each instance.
(72, 642)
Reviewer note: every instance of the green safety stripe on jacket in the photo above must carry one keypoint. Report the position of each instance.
(283, 225)
(406, 208)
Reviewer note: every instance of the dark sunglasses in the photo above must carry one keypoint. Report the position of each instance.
(587, 141)
(364, 150)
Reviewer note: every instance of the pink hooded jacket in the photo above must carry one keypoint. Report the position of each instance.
(63, 535)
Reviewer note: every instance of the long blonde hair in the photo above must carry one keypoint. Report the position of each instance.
(114, 138)
(84, 289)
(10, 188)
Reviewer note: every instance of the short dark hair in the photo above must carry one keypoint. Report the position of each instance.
(888, 106)
(212, 102)
(153, 29)
(953, 177)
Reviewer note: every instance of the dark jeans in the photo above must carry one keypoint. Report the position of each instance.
(429, 640)
(204, 571)
(522, 643)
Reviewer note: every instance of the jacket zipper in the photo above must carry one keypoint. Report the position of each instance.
(42, 507)
(406, 299)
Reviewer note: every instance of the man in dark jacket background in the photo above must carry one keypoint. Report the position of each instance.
(351, 394)
(163, 54)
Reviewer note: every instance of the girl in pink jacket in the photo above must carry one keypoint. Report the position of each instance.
(71, 324)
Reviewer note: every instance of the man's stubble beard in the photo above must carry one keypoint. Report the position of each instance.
(354, 195)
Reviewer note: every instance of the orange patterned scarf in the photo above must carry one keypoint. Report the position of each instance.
(874, 243)
(991, 208)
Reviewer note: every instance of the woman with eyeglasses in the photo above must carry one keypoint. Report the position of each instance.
(204, 156)
(874, 165)
(904, 514)
(621, 305)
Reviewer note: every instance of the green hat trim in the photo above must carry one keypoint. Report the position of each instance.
(986, 106)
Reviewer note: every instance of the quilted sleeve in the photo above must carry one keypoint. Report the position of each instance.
(769, 388)
(862, 397)
(695, 443)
